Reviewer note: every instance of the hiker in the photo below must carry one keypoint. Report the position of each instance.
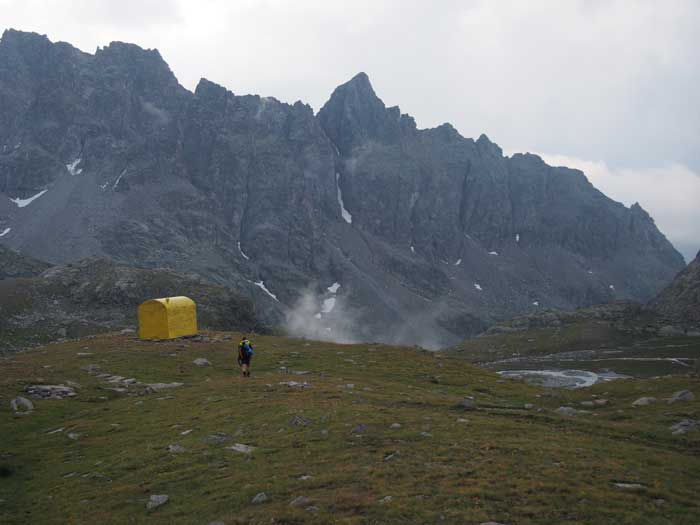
(245, 354)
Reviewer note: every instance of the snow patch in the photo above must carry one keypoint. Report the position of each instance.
(345, 213)
(5, 232)
(612, 287)
(478, 287)
(318, 315)
(26, 202)
(535, 303)
(73, 168)
(261, 285)
(459, 261)
(493, 253)
(334, 288)
(328, 305)
(242, 252)
(116, 182)
(413, 250)
(517, 237)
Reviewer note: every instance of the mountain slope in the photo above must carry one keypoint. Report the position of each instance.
(680, 301)
(350, 433)
(97, 295)
(13, 264)
(431, 237)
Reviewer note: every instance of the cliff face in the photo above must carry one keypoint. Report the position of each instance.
(431, 236)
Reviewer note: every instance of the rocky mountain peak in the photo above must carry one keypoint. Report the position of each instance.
(355, 114)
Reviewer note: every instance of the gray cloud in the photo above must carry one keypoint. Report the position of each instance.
(611, 80)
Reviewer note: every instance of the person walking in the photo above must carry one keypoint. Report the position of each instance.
(245, 354)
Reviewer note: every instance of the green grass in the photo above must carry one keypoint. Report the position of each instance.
(504, 463)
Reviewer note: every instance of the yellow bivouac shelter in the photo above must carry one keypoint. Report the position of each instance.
(167, 318)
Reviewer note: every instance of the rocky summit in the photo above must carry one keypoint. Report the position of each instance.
(350, 224)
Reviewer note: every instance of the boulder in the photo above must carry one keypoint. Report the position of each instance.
(682, 395)
(21, 405)
(685, 426)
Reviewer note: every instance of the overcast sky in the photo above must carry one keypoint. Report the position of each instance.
(610, 87)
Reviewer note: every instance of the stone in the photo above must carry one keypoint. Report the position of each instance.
(299, 421)
(395, 425)
(157, 387)
(157, 500)
(127, 331)
(528, 406)
(201, 361)
(624, 485)
(300, 501)
(386, 499)
(588, 404)
(241, 448)
(260, 497)
(600, 402)
(682, 395)
(685, 426)
(644, 401)
(73, 435)
(175, 449)
(359, 429)
(491, 523)
(391, 456)
(216, 439)
(468, 403)
(21, 405)
(296, 384)
(566, 411)
(311, 508)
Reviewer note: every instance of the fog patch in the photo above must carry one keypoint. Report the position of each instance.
(323, 317)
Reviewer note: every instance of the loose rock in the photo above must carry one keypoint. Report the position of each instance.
(201, 361)
(299, 421)
(176, 449)
(21, 405)
(685, 426)
(467, 403)
(566, 411)
(156, 500)
(300, 501)
(644, 401)
(682, 395)
(240, 447)
(260, 497)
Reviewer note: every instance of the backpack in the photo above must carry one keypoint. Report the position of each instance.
(246, 348)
